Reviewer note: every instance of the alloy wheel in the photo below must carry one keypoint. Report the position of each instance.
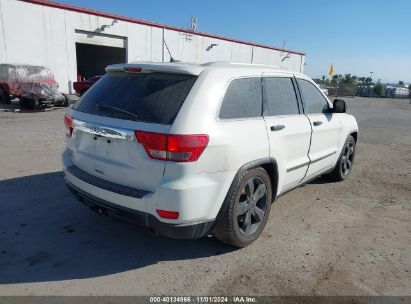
(251, 205)
(347, 158)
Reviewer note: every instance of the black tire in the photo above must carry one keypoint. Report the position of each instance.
(23, 103)
(345, 162)
(30, 104)
(238, 228)
(64, 103)
(4, 97)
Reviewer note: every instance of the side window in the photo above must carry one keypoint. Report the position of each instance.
(313, 99)
(12, 74)
(242, 99)
(3, 72)
(280, 98)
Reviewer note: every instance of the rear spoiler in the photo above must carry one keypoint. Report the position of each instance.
(143, 67)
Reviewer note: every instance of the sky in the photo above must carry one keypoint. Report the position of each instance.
(357, 37)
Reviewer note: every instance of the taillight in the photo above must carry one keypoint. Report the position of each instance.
(172, 215)
(68, 122)
(133, 70)
(179, 148)
(186, 147)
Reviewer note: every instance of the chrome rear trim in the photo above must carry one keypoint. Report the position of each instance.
(104, 130)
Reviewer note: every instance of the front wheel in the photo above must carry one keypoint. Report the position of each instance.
(29, 104)
(4, 97)
(64, 102)
(246, 209)
(345, 163)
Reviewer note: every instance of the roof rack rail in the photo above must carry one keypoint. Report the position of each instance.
(223, 63)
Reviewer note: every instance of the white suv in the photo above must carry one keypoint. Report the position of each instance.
(188, 150)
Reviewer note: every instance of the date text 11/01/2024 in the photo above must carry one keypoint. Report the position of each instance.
(205, 299)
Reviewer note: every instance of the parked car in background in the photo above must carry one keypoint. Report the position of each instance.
(189, 150)
(81, 87)
(35, 86)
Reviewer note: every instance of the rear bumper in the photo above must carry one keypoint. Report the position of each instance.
(178, 231)
(197, 197)
(106, 185)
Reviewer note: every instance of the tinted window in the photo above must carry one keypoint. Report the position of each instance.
(314, 101)
(280, 98)
(243, 98)
(154, 97)
(3, 72)
(94, 79)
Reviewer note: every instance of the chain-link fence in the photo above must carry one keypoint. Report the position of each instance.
(388, 91)
(349, 89)
(342, 90)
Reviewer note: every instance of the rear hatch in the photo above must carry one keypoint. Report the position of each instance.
(105, 119)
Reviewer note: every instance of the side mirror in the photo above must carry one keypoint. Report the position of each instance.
(339, 106)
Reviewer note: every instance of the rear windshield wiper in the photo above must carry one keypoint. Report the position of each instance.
(115, 109)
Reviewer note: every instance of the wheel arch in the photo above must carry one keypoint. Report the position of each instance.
(3, 85)
(354, 134)
(5, 88)
(5, 92)
(269, 165)
(224, 224)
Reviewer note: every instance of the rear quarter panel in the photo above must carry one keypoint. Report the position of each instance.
(232, 142)
(348, 126)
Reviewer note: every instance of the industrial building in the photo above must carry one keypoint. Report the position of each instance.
(74, 41)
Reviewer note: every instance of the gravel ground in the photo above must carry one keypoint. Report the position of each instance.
(347, 238)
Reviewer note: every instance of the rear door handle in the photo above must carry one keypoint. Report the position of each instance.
(317, 123)
(277, 127)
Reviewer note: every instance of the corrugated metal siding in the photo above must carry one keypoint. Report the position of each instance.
(47, 36)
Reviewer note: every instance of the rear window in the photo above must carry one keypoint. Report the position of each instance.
(153, 98)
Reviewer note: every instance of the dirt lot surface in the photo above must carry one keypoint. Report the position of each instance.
(347, 238)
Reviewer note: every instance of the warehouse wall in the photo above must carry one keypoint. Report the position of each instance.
(41, 35)
(3, 54)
